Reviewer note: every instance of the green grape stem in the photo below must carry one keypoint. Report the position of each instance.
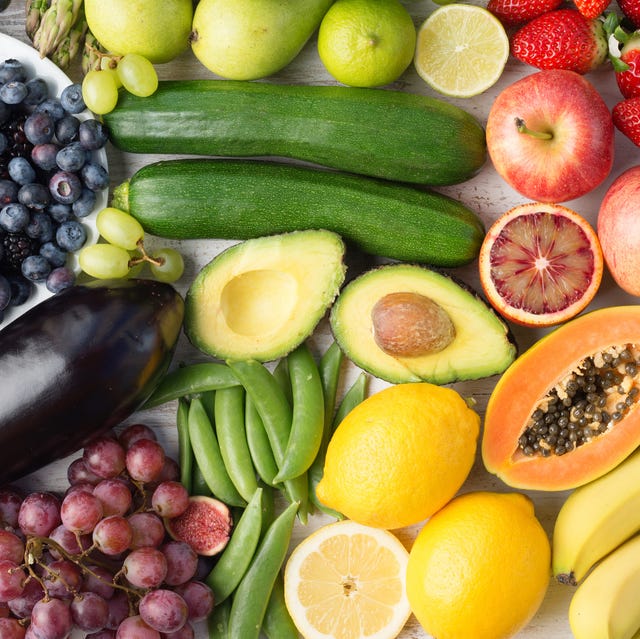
(145, 257)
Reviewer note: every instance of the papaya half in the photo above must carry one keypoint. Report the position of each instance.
(566, 411)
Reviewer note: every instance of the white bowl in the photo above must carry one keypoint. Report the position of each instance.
(56, 81)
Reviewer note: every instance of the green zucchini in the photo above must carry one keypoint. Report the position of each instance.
(377, 132)
(241, 199)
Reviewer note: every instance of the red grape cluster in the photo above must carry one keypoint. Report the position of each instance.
(98, 559)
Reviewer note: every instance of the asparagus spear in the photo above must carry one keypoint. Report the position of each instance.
(67, 50)
(34, 10)
(91, 54)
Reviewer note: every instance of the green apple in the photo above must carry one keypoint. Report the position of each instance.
(159, 31)
(252, 39)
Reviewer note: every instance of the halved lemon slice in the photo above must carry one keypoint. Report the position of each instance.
(461, 50)
(347, 581)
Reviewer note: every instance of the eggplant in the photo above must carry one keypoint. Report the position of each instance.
(78, 364)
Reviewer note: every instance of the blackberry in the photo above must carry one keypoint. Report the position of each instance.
(17, 247)
(17, 143)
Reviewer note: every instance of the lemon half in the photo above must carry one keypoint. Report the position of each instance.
(346, 581)
(461, 50)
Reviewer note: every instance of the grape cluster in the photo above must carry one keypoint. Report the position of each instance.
(123, 254)
(49, 179)
(133, 72)
(98, 558)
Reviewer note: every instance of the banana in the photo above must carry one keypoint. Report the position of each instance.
(605, 604)
(595, 519)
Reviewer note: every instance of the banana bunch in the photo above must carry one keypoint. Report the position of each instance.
(58, 30)
(597, 546)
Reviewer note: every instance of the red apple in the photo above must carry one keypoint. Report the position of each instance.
(618, 229)
(550, 136)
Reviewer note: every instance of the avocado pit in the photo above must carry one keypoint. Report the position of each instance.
(584, 404)
(407, 324)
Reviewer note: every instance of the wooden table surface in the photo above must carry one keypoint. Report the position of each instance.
(486, 193)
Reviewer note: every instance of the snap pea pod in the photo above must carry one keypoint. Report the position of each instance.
(185, 452)
(236, 557)
(307, 423)
(276, 414)
(252, 595)
(230, 429)
(258, 442)
(354, 396)
(281, 375)
(218, 621)
(277, 622)
(207, 454)
(198, 483)
(191, 380)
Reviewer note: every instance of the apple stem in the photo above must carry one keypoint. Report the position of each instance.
(523, 128)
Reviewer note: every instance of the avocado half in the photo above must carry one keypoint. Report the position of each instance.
(261, 298)
(477, 343)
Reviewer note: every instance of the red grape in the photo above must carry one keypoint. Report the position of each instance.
(81, 511)
(148, 530)
(164, 610)
(104, 456)
(115, 496)
(145, 567)
(12, 579)
(182, 562)
(170, 499)
(51, 619)
(145, 460)
(135, 627)
(112, 535)
(10, 501)
(11, 546)
(134, 432)
(199, 598)
(39, 514)
(89, 611)
(11, 629)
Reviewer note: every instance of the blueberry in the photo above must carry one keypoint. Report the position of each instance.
(21, 171)
(5, 292)
(13, 92)
(71, 98)
(60, 212)
(65, 187)
(59, 279)
(94, 176)
(12, 69)
(53, 254)
(44, 155)
(52, 107)
(85, 203)
(93, 135)
(20, 289)
(34, 195)
(71, 235)
(40, 227)
(67, 129)
(39, 128)
(14, 217)
(8, 192)
(35, 268)
(71, 157)
(37, 92)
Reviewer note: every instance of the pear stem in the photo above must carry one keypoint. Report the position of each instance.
(523, 128)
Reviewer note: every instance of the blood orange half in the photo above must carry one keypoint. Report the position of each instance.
(540, 264)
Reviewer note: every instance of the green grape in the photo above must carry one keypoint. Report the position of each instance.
(171, 265)
(106, 66)
(119, 228)
(99, 91)
(137, 74)
(104, 261)
(137, 264)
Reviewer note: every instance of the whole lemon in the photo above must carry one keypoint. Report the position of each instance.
(479, 568)
(157, 31)
(400, 455)
(366, 43)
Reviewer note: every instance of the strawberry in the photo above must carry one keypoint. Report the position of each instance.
(628, 74)
(561, 39)
(591, 8)
(626, 118)
(631, 10)
(516, 12)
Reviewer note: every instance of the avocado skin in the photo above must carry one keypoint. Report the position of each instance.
(78, 364)
(484, 344)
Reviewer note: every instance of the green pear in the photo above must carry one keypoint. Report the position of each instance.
(252, 39)
(159, 31)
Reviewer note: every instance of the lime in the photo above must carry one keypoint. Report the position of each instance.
(366, 43)
(461, 50)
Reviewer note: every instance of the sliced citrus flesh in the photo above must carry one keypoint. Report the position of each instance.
(347, 581)
(461, 50)
(540, 264)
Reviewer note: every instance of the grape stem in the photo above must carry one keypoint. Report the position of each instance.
(523, 128)
(145, 257)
